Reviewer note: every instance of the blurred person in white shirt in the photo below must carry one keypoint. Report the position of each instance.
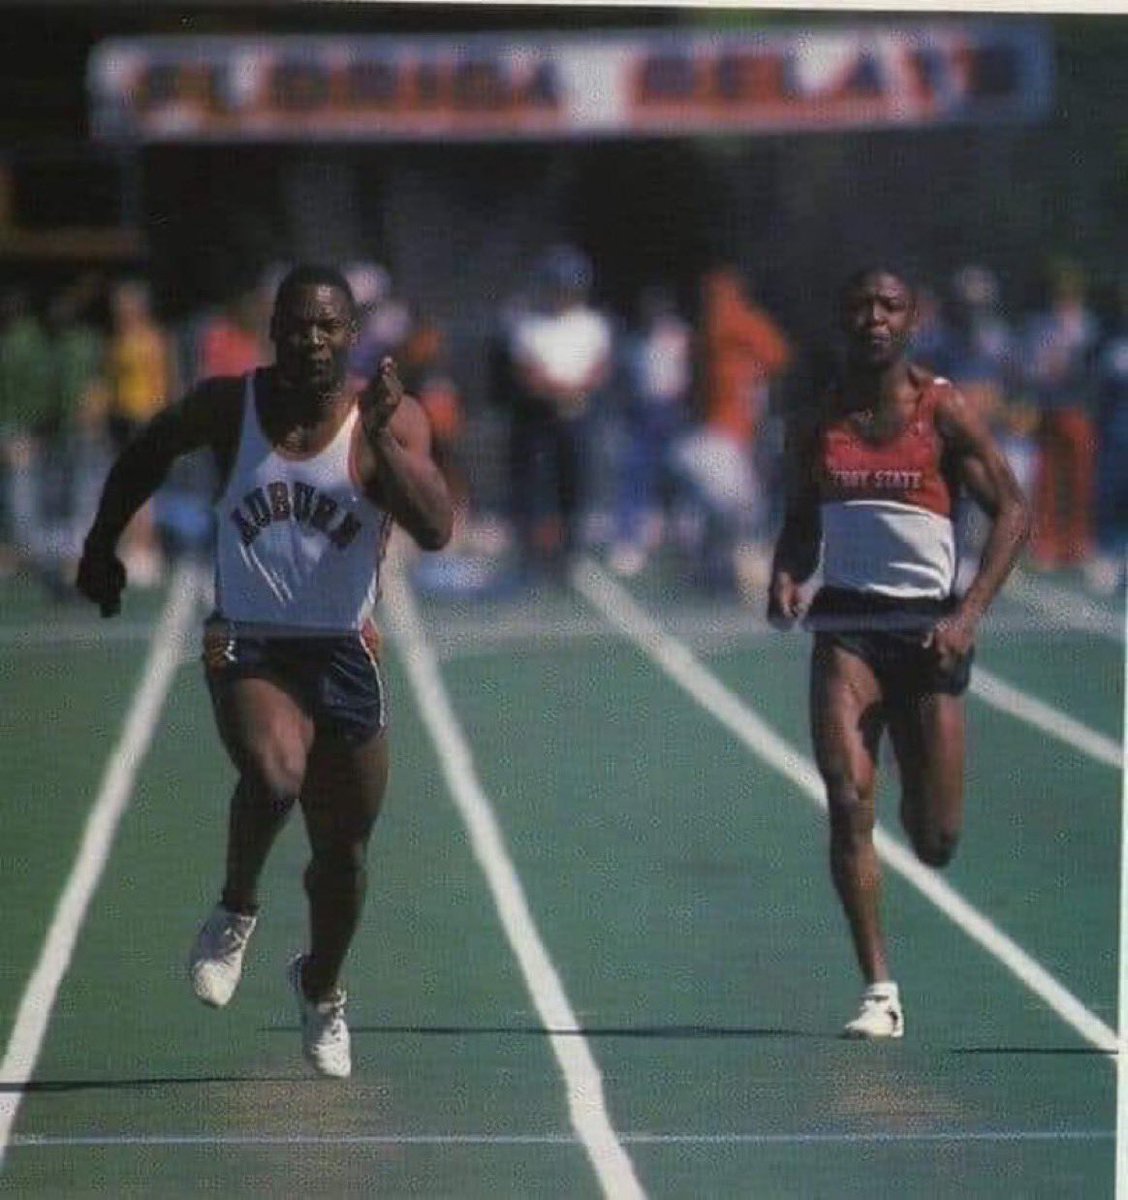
(658, 379)
(561, 356)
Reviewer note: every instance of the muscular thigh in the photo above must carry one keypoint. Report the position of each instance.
(263, 727)
(927, 730)
(345, 785)
(847, 716)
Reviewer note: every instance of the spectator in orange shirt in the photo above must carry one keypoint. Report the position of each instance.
(722, 463)
(233, 340)
(744, 350)
(1060, 345)
(422, 361)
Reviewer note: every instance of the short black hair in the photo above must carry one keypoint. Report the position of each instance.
(306, 275)
(857, 277)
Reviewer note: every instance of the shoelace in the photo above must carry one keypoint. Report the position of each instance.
(228, 938)
(331, 1016)
(333, 1007)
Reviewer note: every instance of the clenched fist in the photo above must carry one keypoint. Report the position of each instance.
(380, 399)
(101, 577)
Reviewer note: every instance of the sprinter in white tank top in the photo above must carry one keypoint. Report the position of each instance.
(312, 475)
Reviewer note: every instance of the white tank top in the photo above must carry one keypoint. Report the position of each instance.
(298, 544)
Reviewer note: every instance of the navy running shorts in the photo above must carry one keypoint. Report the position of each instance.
(334, 677)
(887, 633)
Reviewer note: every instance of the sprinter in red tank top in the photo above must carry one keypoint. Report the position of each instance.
(300, 710)
(874, 477)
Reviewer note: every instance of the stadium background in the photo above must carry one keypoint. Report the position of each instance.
(677, 878)
(789, 208)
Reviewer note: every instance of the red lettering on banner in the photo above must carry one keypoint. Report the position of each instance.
(404, 87)
(748, 77)
(547, 86)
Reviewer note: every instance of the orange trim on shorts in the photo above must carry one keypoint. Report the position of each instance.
(372, 641)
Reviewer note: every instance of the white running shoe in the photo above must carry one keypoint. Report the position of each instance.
(880, 1015)
(325, 1036)
(216, 961)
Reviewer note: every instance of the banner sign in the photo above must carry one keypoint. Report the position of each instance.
(641, 84)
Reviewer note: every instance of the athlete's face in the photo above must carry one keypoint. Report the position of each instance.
(313, 331)
(878, 318)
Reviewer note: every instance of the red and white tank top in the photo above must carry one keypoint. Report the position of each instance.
(298, 544)
(887, 506)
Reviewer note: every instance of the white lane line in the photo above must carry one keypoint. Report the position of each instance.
(1068, 608)
(48, 1142)
(1001, 695)
(48, 635)
(620, 608)
(38, 1000)
(584, 1082)
(1121, 1185)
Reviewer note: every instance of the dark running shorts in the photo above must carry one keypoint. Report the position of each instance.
(334, 677)
(887, 632)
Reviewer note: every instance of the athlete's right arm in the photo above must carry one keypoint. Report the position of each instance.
(797, 547)
(204, 417)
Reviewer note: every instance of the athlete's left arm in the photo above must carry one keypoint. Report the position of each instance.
(396, 465)
(987, 475)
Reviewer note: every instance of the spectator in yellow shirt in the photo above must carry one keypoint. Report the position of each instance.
(140, 376)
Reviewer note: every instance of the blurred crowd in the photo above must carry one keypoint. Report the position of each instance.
(688, 397)
(652, 432)
(1053, 386)
(83, 368)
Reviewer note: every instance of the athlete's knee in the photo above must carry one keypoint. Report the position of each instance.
(934, 841)
(936, 847)
(338, 866)
(851, 810)
(278, 774)
(276, 766)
